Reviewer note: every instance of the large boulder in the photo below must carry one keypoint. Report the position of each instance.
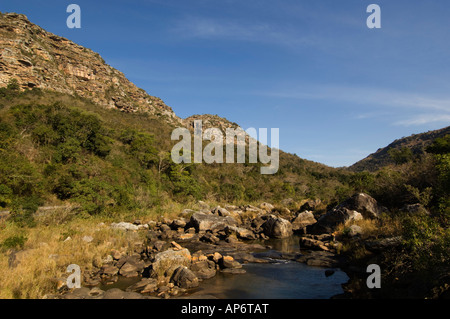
(205, 222)
(165, 263)
(276, 227)
(364, 204)
(184, 278)
(303, 220)
(331, 220)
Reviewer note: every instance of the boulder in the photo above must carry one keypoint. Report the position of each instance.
(204, 269)
(130, 269)
(165, 263)
(276, 227)
(329, 222)
(310, 204)
(146, 285)
(320, 259)
(240, 232)
(124, 226)
(184, 278)
(178, 223)
(416, 209)
(312, 244)
(303, 220)
(108, 271)
(267, 207)
(355, 230)
(229, 262)
(202, 205)
(364, 204)
(204, 222)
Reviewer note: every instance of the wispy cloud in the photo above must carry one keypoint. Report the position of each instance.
(381, 102)
(365, 96)
(228, 29)
(424, 119)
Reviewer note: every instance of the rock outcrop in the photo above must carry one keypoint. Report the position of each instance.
(39, 59)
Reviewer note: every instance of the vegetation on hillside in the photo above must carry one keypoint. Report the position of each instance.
(56, 148)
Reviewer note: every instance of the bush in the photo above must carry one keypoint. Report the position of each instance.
(14, 242)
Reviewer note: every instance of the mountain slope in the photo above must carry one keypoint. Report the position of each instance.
(416, 143)
(37, 58)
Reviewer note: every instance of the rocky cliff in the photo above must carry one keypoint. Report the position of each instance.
(37, 58)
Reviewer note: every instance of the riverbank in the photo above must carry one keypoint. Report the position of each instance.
(191, 255)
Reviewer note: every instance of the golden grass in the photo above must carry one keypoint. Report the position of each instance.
(46, 254)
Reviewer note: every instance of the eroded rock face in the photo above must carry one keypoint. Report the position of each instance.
(37, 58)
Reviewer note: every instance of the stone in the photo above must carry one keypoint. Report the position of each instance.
(381, 245)
(210, 238)
(303, 220)
(204, 269)
(276, 227)
(309, 243)
(229, 262)
(355, 230)
(320, 259)
(124, 226)
(176, 245)
(310, 205)
(165, 263)
(202, 205)
(240, 232)
(234, 271)
(267, 207)
(116, 293)
(221, 211)
(186, 236)
(178, 223)
(364, 204)
(416, 209)
(146, 285)
(87, 239)
(184, 278)
(129, 269)
(331, 220)
(109, 271)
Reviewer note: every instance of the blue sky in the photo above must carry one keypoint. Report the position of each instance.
(337, 90)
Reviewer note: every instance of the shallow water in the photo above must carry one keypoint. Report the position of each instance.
(280, 280)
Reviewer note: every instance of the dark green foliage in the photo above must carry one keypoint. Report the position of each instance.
(401, 156)
(440, 145)
(14, 242)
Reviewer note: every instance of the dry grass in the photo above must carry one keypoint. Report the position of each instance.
(46, 255)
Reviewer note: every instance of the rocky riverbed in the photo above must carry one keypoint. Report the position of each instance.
(181, 254)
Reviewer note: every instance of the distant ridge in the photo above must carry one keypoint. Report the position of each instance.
(416, 142)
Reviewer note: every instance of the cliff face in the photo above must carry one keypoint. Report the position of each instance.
(37, 58)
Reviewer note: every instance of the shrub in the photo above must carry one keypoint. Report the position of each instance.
(14, 242)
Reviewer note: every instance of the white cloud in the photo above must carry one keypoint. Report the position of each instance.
(380, 102)
(259, 32)
(424, 119)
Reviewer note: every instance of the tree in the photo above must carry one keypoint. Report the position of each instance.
(401, 156)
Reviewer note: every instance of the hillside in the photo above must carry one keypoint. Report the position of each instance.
(40, 59)
(81, 132)
(417, 143)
